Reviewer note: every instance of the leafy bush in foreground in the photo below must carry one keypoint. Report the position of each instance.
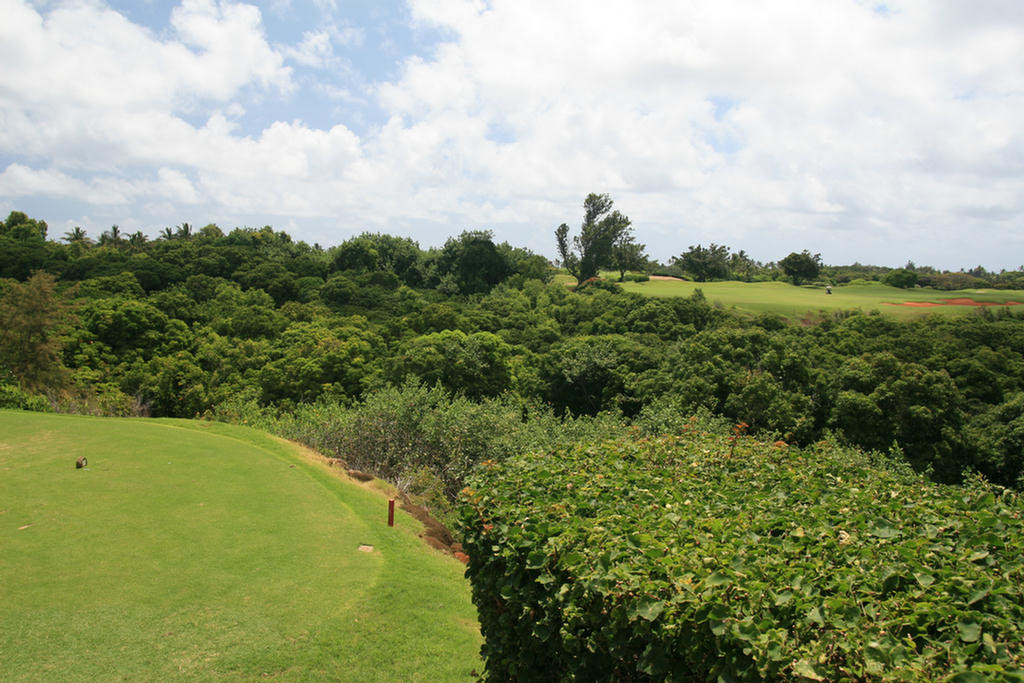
(698, 558)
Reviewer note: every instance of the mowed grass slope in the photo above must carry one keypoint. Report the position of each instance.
(785, 299)
(192, 551)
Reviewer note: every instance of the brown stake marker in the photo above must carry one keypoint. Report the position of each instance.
(391, 512)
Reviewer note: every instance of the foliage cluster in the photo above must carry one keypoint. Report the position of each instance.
(716, 262)
(196, 319)
(422, 438)
(701, 557)
(605, 240)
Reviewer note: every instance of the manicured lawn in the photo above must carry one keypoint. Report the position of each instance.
(194, 551)
(794, 302)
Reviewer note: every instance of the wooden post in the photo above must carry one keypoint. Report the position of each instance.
(391, 512)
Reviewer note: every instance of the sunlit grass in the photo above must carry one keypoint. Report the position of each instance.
(190, 551)
(785, 299)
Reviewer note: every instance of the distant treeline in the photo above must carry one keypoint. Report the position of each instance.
(470, 263)
(718, 262)
(199, 323)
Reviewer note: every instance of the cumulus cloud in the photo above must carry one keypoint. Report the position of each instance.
(731, 121)
(314, 50)
(842, 126)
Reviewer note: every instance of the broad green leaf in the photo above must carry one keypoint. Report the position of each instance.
(969, 631)
(717, 579)
(648, 608)
(804, 668)
(924, 579)
(814, 615)
(881, 528)
(783, 598)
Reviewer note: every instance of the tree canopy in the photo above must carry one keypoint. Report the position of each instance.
(801, 267)
(594, 248)
(189, 323)
(710, 263)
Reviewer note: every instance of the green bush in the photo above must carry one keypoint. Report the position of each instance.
(702, 558)
(402, 433)
(14, 397)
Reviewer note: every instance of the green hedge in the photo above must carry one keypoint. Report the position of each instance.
(703, 558)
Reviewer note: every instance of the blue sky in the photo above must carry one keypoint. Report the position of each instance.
(869, 132)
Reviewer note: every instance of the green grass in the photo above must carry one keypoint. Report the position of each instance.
(193, 551)
(795, 302)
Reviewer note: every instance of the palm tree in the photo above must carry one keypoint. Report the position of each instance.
(136, 241)
(78, 240)
(166, 234)
(184, 231)
(77, 235)
(112, 237)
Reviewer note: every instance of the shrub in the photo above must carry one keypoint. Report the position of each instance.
(703, 557)
(411, 434)
(14, 397)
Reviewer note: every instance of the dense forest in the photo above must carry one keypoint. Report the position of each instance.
(416, 363)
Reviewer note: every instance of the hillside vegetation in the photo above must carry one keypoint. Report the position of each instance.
(190, 551)
(427, 366)
(250, 325)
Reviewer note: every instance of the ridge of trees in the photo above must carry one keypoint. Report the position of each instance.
(194, 320)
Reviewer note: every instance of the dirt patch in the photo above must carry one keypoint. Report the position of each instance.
(955, 302)
(667, 277)
(434, 533)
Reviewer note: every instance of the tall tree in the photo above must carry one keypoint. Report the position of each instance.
(711, 263)
(76, 234)
(78, 240)
(112, 237)
(30, 315)
(137, 241)
(592, 249)
(20, 226)
(628, 255)
(470, 263)
(742, 267)
(801, 267)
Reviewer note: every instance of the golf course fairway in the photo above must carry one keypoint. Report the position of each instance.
(199, 551)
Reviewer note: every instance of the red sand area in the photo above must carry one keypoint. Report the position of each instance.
(956, 302)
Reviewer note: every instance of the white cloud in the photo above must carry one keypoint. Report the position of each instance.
(315, 49)
(85, 54)
(21, 181)
(820, 124)
(175, 185)
(841, 115)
